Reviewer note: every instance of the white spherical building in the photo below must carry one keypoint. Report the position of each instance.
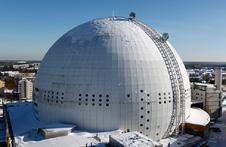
(113, 73)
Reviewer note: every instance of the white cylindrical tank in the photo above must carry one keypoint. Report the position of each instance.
(111, 73)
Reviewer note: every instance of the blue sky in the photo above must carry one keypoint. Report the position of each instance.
(197, 28)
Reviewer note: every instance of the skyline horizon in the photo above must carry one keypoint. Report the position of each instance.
(8, 60)
(29, 29)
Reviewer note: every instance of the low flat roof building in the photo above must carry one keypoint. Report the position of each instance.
(132, 139)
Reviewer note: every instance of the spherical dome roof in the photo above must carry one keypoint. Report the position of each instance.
(112, 73)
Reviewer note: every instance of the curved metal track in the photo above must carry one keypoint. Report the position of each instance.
(175, 78)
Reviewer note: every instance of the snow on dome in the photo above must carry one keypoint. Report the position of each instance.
(198, 116)
(113, 73)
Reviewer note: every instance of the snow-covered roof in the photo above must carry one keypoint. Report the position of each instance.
(133, 139)
(64, 141)
(25, 126)
(198, 116)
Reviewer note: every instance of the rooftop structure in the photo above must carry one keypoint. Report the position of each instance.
(22, 66)
(10, 73)
(198, 117)
(197, 122)
(113, 73)
(132, 139)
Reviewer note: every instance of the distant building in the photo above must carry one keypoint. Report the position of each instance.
(218, 78)
(224, 80)
(35, 65)
(11, 73)
(209, 97)
(21, 66)
(2, 84)
(22, 62)
(7, 91)
(28, 76)
(26, 66)
(25, 88)
(194, 75)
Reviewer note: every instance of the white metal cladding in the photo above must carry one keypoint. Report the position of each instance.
(103, 75)
(176, 76)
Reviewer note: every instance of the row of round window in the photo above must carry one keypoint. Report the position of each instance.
(159, 93)
(52, 92)
(128, 95)
(93, 95)
(164, 93)
(100, 95)
(107, 95)
(164, 98)
(165, 102)
(52, 97)
(93, 104)
(57, 101)
(93, 100)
